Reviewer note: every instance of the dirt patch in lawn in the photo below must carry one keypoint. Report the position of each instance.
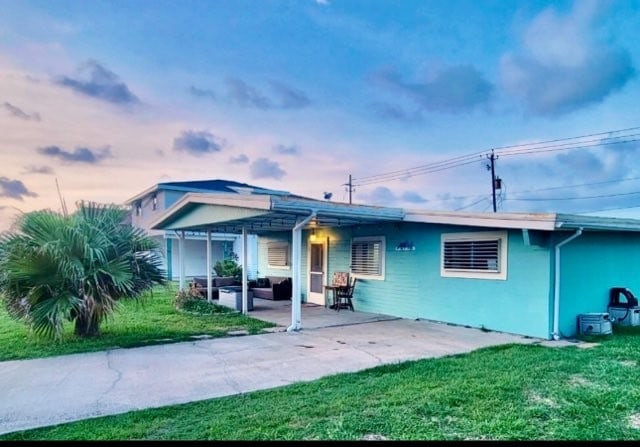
(537, 398)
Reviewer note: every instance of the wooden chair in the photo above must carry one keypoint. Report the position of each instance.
(344, 296)
(340, 281)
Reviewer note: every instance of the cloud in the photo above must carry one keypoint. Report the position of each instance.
(393, 112)
(286, 150)
(79, 155)
(245, 95)
(412, 197)
(601, 171)
(198, 142)
(289, 97)
(561, 67)
(240, 159)
(19, 113)
(284, 96)
(202, 93)
(322, 2)
(14, 189)
(453, 89)
(382, 195)
(264, 168)
(98, 82)
(32, 169)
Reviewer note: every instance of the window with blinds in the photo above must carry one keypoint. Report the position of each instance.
(367, 257)
(474, 255)
(278, 255)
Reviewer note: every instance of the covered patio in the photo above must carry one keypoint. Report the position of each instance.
(262, 214)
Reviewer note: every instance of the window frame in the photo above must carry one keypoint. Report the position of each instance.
(382, 260)
(501, 236)
(287, 248)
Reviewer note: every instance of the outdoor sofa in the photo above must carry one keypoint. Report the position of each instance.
(272, 288)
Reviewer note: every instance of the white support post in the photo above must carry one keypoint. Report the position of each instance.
(296, 250)
(181, 247)
(209, 288)
(245, 291)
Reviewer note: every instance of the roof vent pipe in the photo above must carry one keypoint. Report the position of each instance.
(556, 285)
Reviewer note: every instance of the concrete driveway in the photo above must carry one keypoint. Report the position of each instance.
(53, 390)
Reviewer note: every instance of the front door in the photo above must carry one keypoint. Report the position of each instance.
(317, 267)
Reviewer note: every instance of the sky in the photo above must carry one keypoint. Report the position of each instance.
(100, 100)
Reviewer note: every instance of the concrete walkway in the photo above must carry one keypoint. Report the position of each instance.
(50, 391)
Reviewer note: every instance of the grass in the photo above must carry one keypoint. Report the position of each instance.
(513, 392)
(151, 321)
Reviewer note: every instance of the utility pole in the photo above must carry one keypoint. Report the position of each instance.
(494, 181)
(351, 188)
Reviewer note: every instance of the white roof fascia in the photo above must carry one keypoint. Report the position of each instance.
(258, 202)
(251, 190)
(533, 221)
(141, 195)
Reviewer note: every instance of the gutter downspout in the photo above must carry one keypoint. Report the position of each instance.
(556, 286)
(296, 299)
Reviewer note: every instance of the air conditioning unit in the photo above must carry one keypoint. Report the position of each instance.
(626, 316)
(594, 324)
(623, 307)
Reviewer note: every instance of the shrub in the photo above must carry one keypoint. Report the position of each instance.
(191, 302)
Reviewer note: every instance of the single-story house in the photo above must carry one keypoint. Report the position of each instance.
(522, 273)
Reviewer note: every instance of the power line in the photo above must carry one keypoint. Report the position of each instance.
(611, 209)
(524, 148)
(541, 199)
(604, 142)
(552, 188)
(471, 204)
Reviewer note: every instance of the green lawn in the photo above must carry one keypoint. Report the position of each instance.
(508, 392)
(151, 321)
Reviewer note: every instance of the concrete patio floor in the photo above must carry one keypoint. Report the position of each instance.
(54, 390)
(313, 316)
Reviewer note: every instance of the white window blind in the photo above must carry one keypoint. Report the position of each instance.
(278, 254)
(482, 255)
(367, 257)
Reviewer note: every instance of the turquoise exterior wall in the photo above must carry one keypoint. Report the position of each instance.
(590, 265)
(414, 288)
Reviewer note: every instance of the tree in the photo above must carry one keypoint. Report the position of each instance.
(78, 267)
(229, 267)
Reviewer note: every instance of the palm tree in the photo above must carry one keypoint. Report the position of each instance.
(77, 267)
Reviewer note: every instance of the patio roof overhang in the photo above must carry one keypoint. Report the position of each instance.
(226, 213)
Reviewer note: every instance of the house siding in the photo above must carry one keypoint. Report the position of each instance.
(413, 287)
(590, 265)
(148, 213)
